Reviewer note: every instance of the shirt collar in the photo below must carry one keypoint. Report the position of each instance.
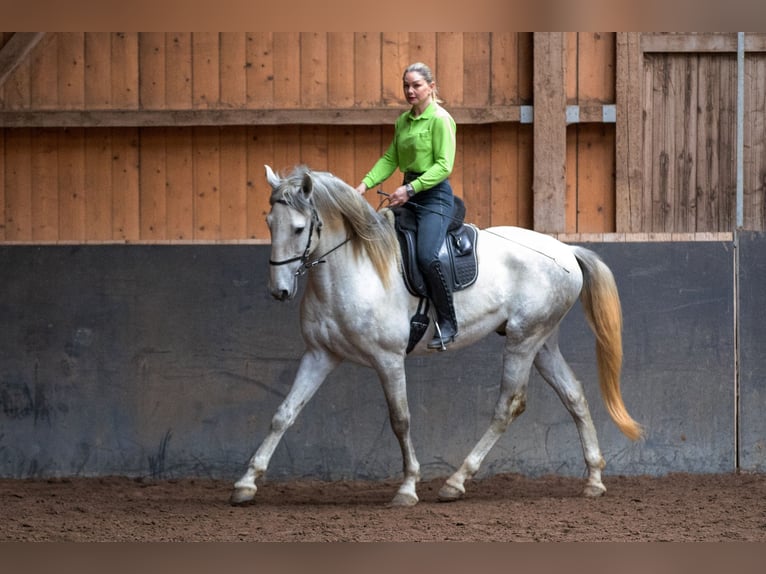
(427, 113)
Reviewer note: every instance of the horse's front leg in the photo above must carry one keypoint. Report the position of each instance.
(393, 379)
(313, 370)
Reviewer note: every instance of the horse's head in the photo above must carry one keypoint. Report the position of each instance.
(295, 227)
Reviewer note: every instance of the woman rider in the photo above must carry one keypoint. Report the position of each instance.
(423, 148)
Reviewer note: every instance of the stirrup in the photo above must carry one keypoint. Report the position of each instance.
(439, 342)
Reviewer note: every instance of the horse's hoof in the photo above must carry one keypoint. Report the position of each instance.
(449, 493)
(593, 490)
(403, 500)
(242, 495)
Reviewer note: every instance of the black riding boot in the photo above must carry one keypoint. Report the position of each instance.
(441, 297)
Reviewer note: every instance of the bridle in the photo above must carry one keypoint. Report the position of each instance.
(304, 258)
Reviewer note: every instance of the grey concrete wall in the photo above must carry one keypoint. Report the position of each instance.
(170, 361)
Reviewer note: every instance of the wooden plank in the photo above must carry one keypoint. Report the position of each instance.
(755, 143)
(525, 176)
(270, 117)
(367, 75)
(549, 181)
(18, 185)
(369, 144)
(260, 69)
(15, 90)
(571, 55)
(206, 74)
(313, 69)
(572, 180)
(71, 182)
(504, 160)
(178, 70)
(595, 183)
(125, 184)
(700, 42)
(179, 183)
(504, 73)
(125, 70)
(260, 152)
(207, 182)
(286, 148)
(395, 57)
(71, 67)
(449, 63)
(340, 69)
(685, 102)
(97, 188)
(596, 67)
(313, 150)
(422, 48)
(526, 67)
(44, 74)
(706, 175)
(152, 61)
(663, 147)
(629, 133)
(727, 143)
(340, 155)
(152, 216)
(476, 64)
(233, 183)
(457, 176)
(98, 70)
(287, 70)
(477, 183)
(233, 69)
(15, 51)
(44, 185)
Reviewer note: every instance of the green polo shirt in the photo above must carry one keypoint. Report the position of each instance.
(423, 144)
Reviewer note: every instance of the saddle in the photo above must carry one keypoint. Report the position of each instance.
(457, 256)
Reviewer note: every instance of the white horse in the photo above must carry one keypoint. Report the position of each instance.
(356, 307)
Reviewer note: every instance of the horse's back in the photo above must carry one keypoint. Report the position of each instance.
(524, 249)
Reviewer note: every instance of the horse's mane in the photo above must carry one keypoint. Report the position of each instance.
(339, 203)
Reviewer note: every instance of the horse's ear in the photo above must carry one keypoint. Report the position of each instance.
(271, 177)
(307, 184)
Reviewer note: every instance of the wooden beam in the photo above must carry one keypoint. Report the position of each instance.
(15, 50)
(629, 136)
(700, 42)
(223, 117)
(549, 131)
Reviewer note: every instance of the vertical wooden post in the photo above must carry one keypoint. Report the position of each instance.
(629, 134)
(549, 180)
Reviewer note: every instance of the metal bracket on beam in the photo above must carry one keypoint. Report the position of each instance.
(526, 114)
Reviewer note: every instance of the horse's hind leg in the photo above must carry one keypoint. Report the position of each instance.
(555, 370)
(510, 404)
(314, 368)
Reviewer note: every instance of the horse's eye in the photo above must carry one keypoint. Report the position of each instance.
(299, 230)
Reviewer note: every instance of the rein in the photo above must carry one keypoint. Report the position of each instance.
(304, 258)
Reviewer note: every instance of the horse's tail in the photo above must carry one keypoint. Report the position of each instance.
(603, 311)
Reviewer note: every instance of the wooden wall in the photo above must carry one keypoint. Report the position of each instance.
(163, 136)
(677, 166)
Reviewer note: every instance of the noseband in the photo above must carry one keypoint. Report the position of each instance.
(304, 259)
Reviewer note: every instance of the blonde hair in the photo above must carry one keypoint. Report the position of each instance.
(428, 76)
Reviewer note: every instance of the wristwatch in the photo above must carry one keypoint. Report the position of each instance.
(410, 190)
